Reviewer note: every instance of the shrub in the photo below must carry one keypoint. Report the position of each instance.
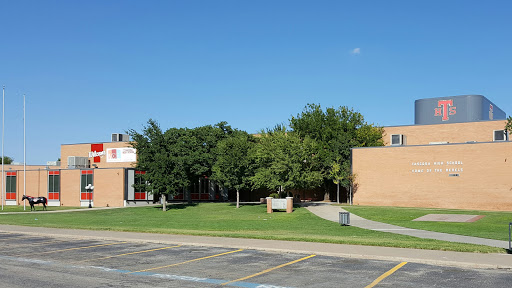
(274, 195)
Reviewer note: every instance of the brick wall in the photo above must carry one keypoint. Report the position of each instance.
(451, 133)
(82, 150)
(416, 176)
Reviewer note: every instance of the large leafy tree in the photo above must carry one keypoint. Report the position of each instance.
(336, 131)
(161, 156)
(202, 142)
(284, 161)
(177, 157)
(234, 164)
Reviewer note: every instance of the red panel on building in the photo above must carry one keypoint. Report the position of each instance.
(97, 148)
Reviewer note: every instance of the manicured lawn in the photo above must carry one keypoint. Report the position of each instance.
(39, 207)
(493, 226)
(223, 219)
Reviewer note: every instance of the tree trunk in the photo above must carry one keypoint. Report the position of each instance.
(237, 198)
(164, 203)
(350, 193)
(338, 192)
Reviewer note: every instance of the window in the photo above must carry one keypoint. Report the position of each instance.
(140, 194)
(10, 186)
(53, 185)
(200, 190)
(500, 135)
(86, 179)
(397, 139)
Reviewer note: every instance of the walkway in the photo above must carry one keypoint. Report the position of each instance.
(331, 212)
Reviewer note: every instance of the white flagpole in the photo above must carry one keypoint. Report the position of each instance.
(24, 156)
(3, 130)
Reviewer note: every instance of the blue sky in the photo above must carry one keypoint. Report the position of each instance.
(92, 68)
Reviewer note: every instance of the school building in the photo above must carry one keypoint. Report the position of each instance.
(456, 155)
(108, 167)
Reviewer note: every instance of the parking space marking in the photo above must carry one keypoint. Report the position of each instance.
(386, 274)
(268, 270)
(161, 276)
(131, 253)
(69, 249)
(185, 262)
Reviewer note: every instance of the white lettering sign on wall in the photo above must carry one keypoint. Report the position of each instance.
(424, 166)
(121, 155)
(96, 154)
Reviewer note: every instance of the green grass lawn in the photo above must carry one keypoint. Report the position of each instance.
(493, 226)
(39, 207)
(223, 219)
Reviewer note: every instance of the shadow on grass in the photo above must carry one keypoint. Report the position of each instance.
(245, 204)
(176, 206)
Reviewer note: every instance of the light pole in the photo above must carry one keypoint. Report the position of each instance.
(89, 188)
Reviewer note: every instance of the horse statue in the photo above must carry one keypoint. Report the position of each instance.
(35, 200)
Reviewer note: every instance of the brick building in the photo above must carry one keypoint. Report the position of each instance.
(108, 166)
(457, 155)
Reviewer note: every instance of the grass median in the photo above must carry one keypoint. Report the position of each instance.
(493, 226)
(224, 220)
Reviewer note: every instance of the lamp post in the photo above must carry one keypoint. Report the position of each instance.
(89, 188)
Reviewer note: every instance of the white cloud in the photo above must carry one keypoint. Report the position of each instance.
(356, 51)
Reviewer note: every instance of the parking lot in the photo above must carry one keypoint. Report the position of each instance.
(42, 261)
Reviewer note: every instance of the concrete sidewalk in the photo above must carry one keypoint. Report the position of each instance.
(443, 258)
(331, 212)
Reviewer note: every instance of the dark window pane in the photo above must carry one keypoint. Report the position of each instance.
(56, 183)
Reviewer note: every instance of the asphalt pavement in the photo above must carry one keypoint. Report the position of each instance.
(433, 257)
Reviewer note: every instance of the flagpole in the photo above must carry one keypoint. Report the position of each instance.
(3, 130)
(24, 156)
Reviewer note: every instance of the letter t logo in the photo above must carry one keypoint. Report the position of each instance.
(444, 104)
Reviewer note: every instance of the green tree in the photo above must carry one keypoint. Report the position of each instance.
(508, 126)
(7, 160)
(175, 159)
(202, 141)
(161, 155)
(340, 175)
(233, 167)
(284, 161)
(336, 131)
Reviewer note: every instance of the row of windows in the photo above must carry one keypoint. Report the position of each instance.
(400, 139)
(53, 185)
(86, 178)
